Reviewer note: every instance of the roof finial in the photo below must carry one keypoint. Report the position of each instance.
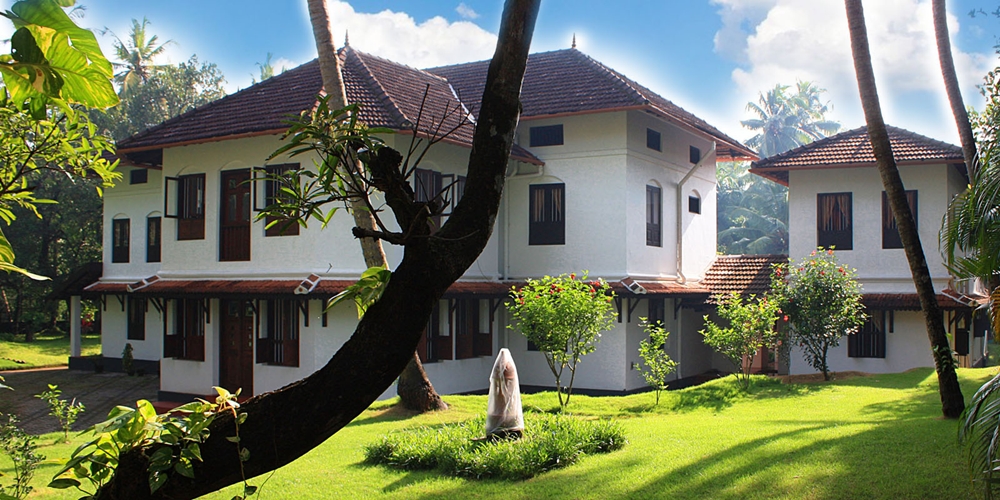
(574, 41)
(347, 39)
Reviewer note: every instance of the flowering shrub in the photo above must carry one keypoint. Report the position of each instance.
(822, 303)
(564, 317)
(751, 326)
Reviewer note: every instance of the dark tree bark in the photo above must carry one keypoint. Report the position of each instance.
(414, 387)
(940, 14)
(952, 402)
(283, 425)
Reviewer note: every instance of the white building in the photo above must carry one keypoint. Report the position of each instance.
(607, 177)
(835, 198)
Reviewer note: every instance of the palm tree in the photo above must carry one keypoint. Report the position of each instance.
(752, 214)
(414, 387)
(939, 13)
(785, 120)
(952, 401)
(136, 55)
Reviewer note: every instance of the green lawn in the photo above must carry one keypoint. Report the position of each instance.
(869, 437)
(46, 350)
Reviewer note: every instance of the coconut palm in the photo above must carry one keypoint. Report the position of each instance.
(136, 55)
(787, 120)
(939, 13)
(752, 214)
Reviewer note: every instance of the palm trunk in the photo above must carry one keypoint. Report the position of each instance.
(952, 402)
(414, 387)
(951, 86)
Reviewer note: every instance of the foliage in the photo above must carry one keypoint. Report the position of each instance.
(166, 92)
(980, 435)
(753, 212)
(20, 448)
(171, 442)
(136, 56)
(128, 360)
(786, 120)
(365, 291)
(549, 442)
(751, 326)
(266, 70)
(66, 412)
(564, 317)
(822, 301)
(658, 364)
(53, 61)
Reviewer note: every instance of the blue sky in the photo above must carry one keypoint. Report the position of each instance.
(708, 56)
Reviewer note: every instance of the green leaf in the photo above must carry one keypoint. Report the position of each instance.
(249, 490)
(233, 439)
(184, 469)
(244, 455)
(64, 483)
(156, 481)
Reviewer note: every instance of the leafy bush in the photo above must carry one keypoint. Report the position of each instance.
(20, 448)
(549, 442)
(657, 362)
(751, 326)
(65, 412)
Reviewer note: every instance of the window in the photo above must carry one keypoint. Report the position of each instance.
(119, 240)
(273, 194)
(549, 135)
(190, 206)
(656, 310)
(547, 214)
(694, 204)
(187, 341)
(654, 213)
(278, 344)
(890, 232)
(153, 239)
(834, 224)
(428, 184)
(653, 139)
(694, 154)
(466, 328)
(870, 341)
(138, 176)
(136, 318)
(435, 345)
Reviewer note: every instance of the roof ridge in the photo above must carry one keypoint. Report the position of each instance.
(621, 79)
(812, 145)
(375, 85)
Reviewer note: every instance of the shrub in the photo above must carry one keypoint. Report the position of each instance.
(65, 412)
(549, 442)
(563, 316)
(822, 303)
(658, 364)
(751, 326)
(20, 448)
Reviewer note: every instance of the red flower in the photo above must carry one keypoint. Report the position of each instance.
(785, 317)
(572, 276)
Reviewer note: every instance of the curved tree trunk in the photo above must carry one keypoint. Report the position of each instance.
(414, 387)
(952, 402)
(283, 425)
(951, 86)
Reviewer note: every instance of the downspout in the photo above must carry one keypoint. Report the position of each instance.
(680, 213)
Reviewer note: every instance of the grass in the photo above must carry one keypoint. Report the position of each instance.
(864, 437)
(46, 350)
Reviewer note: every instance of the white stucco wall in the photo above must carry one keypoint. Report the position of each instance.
(114, 325)
(135, 202)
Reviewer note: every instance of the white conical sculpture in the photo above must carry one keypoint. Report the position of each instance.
(503, 413)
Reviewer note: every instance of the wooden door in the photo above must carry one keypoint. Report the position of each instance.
(236, 346)
(234, 221)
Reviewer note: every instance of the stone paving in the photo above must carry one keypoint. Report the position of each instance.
(99, 392)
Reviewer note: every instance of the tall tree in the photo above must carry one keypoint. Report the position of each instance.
(282, 425)
(752, 214)
(414, 387)
(952, 402)
(940, 14)
(787, 120)
(136, 55)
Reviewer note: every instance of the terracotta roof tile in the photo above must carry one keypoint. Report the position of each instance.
(853, 149)
(906, 301)
(568, 81)
(391, 96)
(742, 274)
(630, 286)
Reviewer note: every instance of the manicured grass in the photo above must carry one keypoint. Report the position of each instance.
(865, 437)
(46, 350)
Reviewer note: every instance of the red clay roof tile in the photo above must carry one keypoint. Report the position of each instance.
(853, 149)
(742, 274)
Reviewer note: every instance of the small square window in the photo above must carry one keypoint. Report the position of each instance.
(550, 135)
(653, 139)
(138, 176)
(694, 204)
(695, 154)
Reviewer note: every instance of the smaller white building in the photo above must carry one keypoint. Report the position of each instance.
(835, 199)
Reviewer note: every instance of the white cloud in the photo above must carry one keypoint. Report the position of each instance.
(809, 40)
(466, 12)
(399, 37)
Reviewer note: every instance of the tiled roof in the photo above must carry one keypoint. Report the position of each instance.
(906, 301)
(853, 149)
(569, 82)
(742, 274)
(391, 96)
(313, 286)
(629, 286)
